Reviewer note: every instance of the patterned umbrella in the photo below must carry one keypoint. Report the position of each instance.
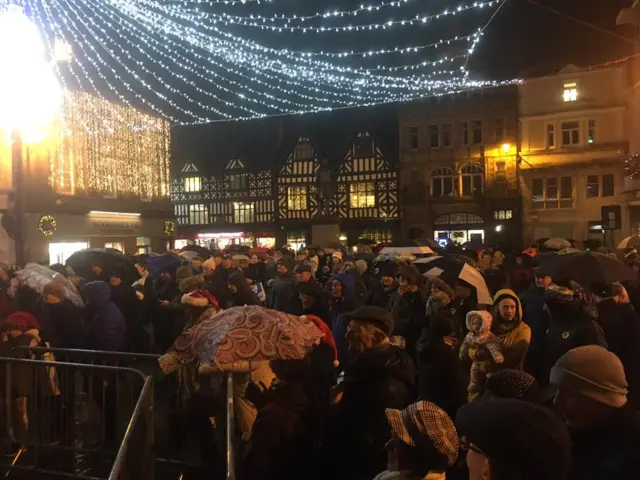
(557, 243)
(630, 242)
(242, 334)
(452, 268)
(36, 276)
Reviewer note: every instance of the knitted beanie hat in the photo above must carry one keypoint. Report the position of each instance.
(361, 265)
(594, 372)
(209, 264)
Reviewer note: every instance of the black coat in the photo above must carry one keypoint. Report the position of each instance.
(218, 285)
(610, 451)
(63, 325)
(244, 295)
(409, 317)
(285, 438)
(621, 326)
(537, 316)
(570, 327)
(295, 304)
(441, 376)
(256, 272)
(382, 378)
(380, 296)
(125, 298)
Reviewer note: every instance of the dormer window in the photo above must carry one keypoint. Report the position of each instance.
(570, 92)
(192, 184)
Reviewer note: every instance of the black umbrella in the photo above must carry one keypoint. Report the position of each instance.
(591, 270)
(201, 251)
(108, 258)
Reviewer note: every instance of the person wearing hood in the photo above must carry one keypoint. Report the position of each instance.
(241, 293)
(423, 445)
(382, 291)
(508, 326)
(283, 287)
(337, 263)
(287, 432)
(511, 439)
(571, 326)
(63, 322)
(621, 327)
(604, 426)
(408, 309)
(380, 376)
(536, 315)
(343, 300)
(106, 326)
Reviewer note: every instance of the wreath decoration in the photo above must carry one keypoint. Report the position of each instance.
(47, 225)
(169, 228)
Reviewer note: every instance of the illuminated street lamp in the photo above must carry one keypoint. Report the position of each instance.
(506, 147)
(30, 97)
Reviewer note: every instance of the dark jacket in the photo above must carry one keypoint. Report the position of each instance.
(256, 272)
(295, 304)
(361, 290)
(380, 296)
(495, 279)
(520, 278)
(409, 317)
(339, 307)
(537, 316)
(63, 325)
(610, 451)
(244, 295)
(383, 377)
(218, 285)
(106, 324)
(621, 326)
(125, 298)
(571, 327)
(285, 438)
(283, 289)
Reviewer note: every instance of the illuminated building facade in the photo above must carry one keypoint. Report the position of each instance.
(268, 183)
(574, 141)
(458, 157)
(99, 178)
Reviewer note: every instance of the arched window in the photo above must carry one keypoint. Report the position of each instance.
(472, 180)
(442, 182)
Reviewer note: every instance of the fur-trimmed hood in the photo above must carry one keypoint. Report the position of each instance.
(487, 319)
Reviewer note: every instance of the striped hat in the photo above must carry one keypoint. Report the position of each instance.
(424, 423)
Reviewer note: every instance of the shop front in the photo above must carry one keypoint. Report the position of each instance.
(459, 228)
(222, 240)
(54, 238)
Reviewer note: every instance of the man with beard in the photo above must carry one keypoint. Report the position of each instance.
(380, 376)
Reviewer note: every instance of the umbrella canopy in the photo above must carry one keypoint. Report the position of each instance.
(36, 276)
(591, 270)
(108, 258)
(567, 250)
(412, 250)
(429, 242)
(557, 243)
(630, 242)
(474, 245)
(189, 255)
(362, 248)
(202, 252)
(240, 257)
(448, 267)
(242, 334)
(156, 264)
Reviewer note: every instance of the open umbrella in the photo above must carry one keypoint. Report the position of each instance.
(457, 269)
(557, 243)
(189, 255)
(412, 250)
(630, 242)
(242, 334)
(474, 245)
(240, 257)
(36, 276)
(591, 270)
(156, 264)
(567, 250)
(202, 252)
(429, 242)
(108, 258)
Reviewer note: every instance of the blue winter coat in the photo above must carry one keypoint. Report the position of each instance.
(106, 324)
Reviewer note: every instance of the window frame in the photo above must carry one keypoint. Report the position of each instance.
(244, 212)
(201, 214)
(591, 193)
(414, 135)
(447, 134)
(501, 173)
(369, 193)
(233, 184)
(360, 141)
(192, 184)
(437, 176)
(550, 132)
(477, 126)
(613, 185)
(570, 92)
(464, 133)
(434, 134)
(301, 192)
(557, 200)
(472, 176)
(499, 130)
(591, 131)
(304, 148)
(572, 132)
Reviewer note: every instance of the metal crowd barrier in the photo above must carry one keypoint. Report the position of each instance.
(159, 396)
(68, 420)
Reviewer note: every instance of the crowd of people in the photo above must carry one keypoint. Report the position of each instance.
(419, 381)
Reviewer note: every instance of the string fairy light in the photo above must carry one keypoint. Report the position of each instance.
(181, 62)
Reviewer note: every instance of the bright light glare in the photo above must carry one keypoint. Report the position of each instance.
(30, 95)
(506, 147)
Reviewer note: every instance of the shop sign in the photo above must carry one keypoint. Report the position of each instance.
(115, 225)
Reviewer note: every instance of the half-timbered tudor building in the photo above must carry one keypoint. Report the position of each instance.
(268, 182)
